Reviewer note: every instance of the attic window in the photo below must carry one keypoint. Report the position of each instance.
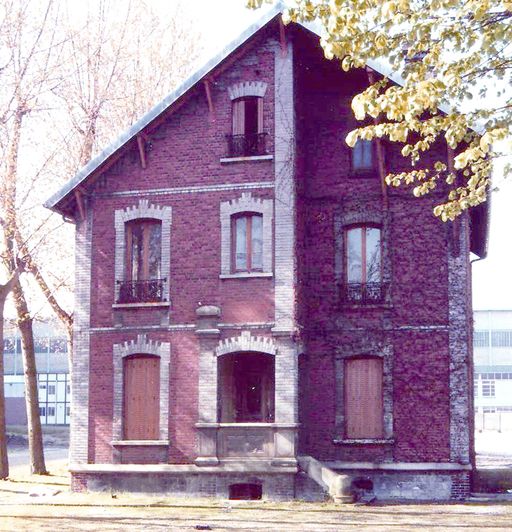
(247, 138)
(362, 156)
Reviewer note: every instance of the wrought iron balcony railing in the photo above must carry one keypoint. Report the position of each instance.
(246, 145)
(149, 291)
(363, 293)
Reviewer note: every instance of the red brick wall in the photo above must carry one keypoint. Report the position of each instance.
(419, 280)
(186, 151)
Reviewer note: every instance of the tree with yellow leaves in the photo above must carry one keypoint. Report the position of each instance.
(453, 62)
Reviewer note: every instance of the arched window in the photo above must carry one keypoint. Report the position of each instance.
(247, 137)
(363, 264)
(246, 388)
(246, 237)
(364, 416)
(247, 242)
(143, 264)
(142, 253)
(141, 397)
(143, 249)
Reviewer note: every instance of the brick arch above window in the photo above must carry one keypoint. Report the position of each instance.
(245, 343)
(142, 210)
(141, 346)
(246, 203)
(247, 88)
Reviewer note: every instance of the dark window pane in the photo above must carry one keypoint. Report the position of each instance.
(154, 252)
(9, 345)
(41, 345)
(251, 115)
(58, 345)
(144, 244)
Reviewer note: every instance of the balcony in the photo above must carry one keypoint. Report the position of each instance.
(363, 293)
(273, 443)
(248, 145)
(148, 291)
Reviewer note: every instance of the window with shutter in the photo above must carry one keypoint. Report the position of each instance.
(363, 398)
(141, 390)
(247, 242)
(247, 136)
(143, 281)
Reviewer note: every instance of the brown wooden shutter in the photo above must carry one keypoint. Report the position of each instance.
(363, 398)
(141, 405)
(238, 117)
(260, 115)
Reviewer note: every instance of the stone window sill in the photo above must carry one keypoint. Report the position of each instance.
(245, 275)
(140, 443)
(156, 304)
(206, 425)
(364, 441)
(352, 306)
(229, 160)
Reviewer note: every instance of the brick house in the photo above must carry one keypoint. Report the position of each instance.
(251, 299)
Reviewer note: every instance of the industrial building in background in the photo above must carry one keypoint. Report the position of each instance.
(492, 342)
(52, 374)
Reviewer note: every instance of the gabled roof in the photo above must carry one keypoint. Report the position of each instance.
(158, 109)
(382, 66)
(167, 102)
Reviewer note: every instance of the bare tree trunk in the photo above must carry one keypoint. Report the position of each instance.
(65, 317)
(35, 435)
(69, 342)
(4, 462)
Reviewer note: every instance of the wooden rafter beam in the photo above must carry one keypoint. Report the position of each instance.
(141, 143)
(380, 150)
(455, 224)
(209, 99)
(80, 203)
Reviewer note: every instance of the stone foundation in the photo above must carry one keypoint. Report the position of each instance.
(414, 485)
(275, 487)
(387, 486)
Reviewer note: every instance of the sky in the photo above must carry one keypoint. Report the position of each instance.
(492, 277)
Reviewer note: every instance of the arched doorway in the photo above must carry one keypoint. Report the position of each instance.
(246, 388)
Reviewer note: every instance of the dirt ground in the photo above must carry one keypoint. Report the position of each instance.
(44, 503)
